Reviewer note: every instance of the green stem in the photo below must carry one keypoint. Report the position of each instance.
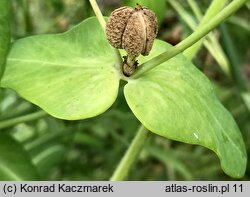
(211, 43)
(102, 21)
(195, 8)
(26, 118)
(131, 61)
(98, 13)
(130, 156)
(189, 41)
(213, 9)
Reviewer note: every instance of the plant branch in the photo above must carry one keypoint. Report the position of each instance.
(102, 21)
(213, 9)
(130, 156)
(189, 41)
(26, 118)
(98, 13)
(195, 8)
(211, 42)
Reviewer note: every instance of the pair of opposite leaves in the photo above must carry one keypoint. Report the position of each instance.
(74, 75)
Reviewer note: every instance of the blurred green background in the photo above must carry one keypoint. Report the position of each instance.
(91, 149)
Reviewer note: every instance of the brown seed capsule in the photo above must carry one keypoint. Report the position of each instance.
(132, 29)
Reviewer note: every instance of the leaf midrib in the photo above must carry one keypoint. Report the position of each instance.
(59, 64)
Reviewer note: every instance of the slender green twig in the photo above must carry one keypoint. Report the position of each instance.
(189, 41)
(26, 118)
(130, 156)
(102, 21)
(195, 8)
(211, 42)
(213, 9)
(98, 13)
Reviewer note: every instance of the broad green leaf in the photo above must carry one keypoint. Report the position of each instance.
(159, 6)
(4, 33)
(70, 75)
(175, 100)
(15, 163)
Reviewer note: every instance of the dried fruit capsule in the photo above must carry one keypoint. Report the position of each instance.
(132, 29)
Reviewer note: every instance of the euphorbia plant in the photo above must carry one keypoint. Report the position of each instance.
(76, 75)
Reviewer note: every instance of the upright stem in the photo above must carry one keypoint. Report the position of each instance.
(130, 156)
(102, 21)
(98, 13)
(131, 61)
(26, 118)
(195, 8)
(189, 41)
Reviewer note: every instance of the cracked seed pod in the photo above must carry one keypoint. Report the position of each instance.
(132, 29)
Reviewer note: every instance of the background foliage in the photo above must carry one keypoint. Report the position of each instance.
(90, 149)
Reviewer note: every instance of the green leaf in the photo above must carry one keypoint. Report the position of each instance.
(248, 4)
(246, 98)
(175, 100)
(15, 163)
(47, 156)
(70, 75)
(159, 7)
(169, 158)
(4, 33)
